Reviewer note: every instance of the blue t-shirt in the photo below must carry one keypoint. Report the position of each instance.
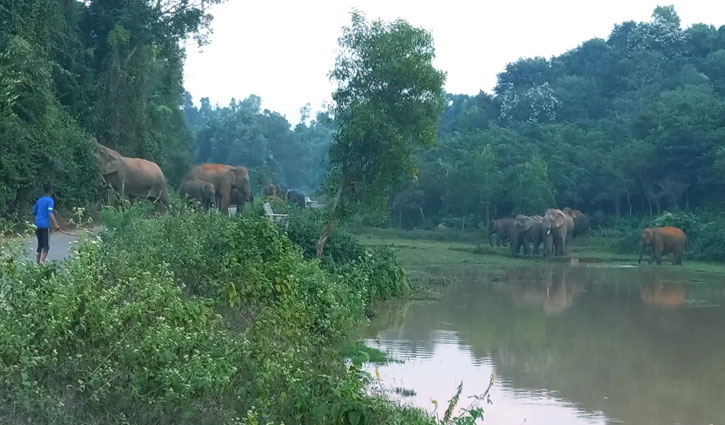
(42, 209)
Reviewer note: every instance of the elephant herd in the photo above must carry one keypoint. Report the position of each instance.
(553, 230)
(556, 227)
(210, 184)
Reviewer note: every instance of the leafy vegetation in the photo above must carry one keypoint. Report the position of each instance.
(72, 69)
(187, 318)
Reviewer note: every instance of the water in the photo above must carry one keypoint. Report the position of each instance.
(568, 345)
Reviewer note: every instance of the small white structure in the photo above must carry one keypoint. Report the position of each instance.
(274, 217)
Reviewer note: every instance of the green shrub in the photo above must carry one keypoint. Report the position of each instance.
(188, 317)
(108, 339)
(304, 230)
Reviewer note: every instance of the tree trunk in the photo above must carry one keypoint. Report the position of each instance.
(463, 225)
(629, 202)
(330, 226)
(616, 207)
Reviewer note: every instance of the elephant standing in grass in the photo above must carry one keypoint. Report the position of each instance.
(527, 231)
(132, 177)
(581, 221)
(201, 191)
(501, 228)
(558, 229)
(663, 240)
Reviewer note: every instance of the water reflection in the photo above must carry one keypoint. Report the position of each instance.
(570, 345)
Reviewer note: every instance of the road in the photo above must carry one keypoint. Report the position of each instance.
(59, 245)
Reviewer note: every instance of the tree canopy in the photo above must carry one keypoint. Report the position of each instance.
(387, 104)
(633, 123)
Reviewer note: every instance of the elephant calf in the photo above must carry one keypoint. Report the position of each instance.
(663, 240)
(200, 190)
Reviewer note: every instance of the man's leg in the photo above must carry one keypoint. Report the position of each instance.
(44, 244)
(40, 245)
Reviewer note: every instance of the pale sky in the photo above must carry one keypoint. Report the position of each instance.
(283, 50)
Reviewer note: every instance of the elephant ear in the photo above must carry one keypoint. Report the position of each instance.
(559, 220)
(528, 224)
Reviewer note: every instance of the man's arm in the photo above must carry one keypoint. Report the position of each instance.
(55, 223)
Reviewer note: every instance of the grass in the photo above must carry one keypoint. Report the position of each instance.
(358, 350)
(421, 256)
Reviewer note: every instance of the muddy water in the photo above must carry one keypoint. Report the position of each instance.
(568, 345)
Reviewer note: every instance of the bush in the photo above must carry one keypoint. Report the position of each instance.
(304, 230)
(187, 318)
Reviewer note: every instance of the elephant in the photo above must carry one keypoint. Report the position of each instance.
(270, 190)
(663, 240)
(502, 228)
(526, 230)
(558, 228)
(224, 178)
(131, 177)
(201, 191)
(581, 221)
(296, 197)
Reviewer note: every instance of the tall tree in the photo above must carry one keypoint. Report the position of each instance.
(387, 104)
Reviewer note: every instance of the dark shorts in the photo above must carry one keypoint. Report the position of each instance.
(43, 239)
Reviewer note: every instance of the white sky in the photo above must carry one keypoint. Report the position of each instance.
(282, 50)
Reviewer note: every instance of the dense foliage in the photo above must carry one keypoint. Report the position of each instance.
(631, 124)
(190, 318)
(261, 140)
(71, 69)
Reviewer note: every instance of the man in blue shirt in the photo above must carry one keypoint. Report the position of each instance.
(43, 211)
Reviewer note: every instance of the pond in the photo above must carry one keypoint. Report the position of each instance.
(569, 344)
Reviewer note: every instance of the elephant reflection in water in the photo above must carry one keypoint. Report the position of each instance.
(665, 295)
(551, 288)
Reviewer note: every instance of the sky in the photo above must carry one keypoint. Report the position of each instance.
(283, 50)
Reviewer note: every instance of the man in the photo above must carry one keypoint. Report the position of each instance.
(43, 211)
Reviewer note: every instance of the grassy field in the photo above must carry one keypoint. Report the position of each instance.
(423, 252)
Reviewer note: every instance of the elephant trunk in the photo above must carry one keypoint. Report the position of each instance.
(642, 247)
(490, 238)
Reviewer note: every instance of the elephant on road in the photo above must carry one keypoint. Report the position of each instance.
(501, 228)
(201, 191)
(581, 221)
(558, 229)
(527, 231)
(224, 178)
(131, 177)
(663, 240)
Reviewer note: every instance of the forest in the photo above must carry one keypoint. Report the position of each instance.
(633, 124)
